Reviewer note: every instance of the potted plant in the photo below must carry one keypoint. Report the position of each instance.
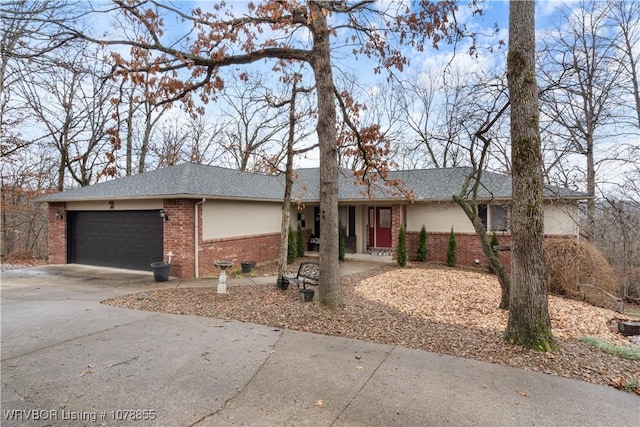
(247, 266)
(161, 271)
(306, 295)
(282, 283)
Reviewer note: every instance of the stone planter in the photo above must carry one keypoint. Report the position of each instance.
(161, 271)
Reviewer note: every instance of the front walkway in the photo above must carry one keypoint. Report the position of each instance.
(359, 257)
(347, 267)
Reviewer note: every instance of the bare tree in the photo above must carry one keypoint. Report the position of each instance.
(580, 66)
(171, 144)
(618, 237)
(138, 117)
(369, 116)
(435, 109)
(214, 39)
(23, 222)
(28, 33)
(625, 17)
(255, 128)
(71, 100)
(529, 323)
(295, 134)
(205, 140)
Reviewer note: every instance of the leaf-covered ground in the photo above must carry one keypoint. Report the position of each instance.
(436, 309)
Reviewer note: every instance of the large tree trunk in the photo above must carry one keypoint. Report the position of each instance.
(288, 176)
(591, 186)
(286, 212)
(529, 323)
(494, 260)
(329, 282)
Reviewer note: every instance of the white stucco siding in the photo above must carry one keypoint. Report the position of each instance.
(306, 215)
(361, 228)
(561, 219)
(437, 217)
(222, 218)
(118, 205)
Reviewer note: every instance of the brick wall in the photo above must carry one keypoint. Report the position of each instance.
(468, 248)
(397, 220)
(258, 248)
(467, 251)
(57, 233)
(179, 238)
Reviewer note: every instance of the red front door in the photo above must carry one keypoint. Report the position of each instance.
(383, 227)
(380, 227)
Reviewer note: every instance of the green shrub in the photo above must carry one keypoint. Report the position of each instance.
(451, 250)
(633, 386)
(300, 242)
(625, 352)
(494, 242)
(340, 242)
(422, 245)
(402, 247)
(292, 251)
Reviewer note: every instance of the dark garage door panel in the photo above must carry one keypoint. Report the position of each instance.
(124, 239)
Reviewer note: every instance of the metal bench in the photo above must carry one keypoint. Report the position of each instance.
(308, 274)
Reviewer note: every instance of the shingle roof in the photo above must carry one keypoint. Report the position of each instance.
(184, 180)
(196, 181)
(426, 184)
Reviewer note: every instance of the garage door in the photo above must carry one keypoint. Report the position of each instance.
(123, 239)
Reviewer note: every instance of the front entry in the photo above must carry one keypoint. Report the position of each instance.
(380, 227)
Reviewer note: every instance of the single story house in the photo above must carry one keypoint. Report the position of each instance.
(202, 213)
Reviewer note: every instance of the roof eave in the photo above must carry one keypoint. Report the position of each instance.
(155, 197)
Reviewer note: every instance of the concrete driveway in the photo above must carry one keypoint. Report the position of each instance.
(68, 360)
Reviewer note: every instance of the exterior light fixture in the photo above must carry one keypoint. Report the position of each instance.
(164, 215)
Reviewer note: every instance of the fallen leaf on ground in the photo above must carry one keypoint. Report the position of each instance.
(437, 309)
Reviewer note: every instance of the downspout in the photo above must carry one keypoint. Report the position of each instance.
(197, 235)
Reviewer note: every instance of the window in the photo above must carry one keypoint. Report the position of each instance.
(496, 217)
(347, 217)
(482, 213)
(499, 218)
(385, 218)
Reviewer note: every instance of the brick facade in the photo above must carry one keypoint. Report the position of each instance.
(259, 248)
(57, 233)
(468, 249)
(179, 238)
(397, 220)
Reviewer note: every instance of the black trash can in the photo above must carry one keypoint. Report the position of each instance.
(161, 271)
